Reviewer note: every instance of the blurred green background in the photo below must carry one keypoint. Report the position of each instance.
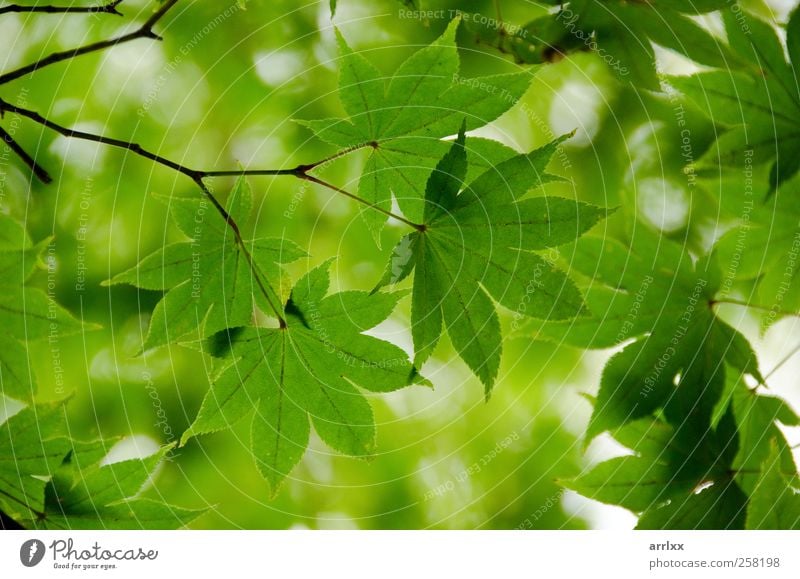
(221, 90)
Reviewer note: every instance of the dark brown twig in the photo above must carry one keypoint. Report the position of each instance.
(198, 176)
(109, 8)
(37, 169)
(144, 31)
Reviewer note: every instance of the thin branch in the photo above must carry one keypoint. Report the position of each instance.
(109, 8)
(198, 176)
(295, 172)
(300, 172)
(144, 31)
(195, 176)
(67, 132)
(37, 169)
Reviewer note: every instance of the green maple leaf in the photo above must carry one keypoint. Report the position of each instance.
(757, 417)
(622, 32)
(760, 106)
(539, 41)
(51, 481)
(661, 480)
(307, 373)
(211, 285)
(403, 122)
(32, 447)
(718, 507)
(26, 313)
(479, 243)
(764, 249)
(105, 496)
(775, 502)
(652, 291)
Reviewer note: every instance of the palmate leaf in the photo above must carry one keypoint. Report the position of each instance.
(675, 480)
(542, 40)
(479, 243)
(211, 285)
(104, 496)
(652, 291)
(307, 373)
(623, 34)
(32, 447)
(775, 502)
(26, 313)
(765, 250)
(757, 417)
(760, 106)
(403, 122)
(51, 481)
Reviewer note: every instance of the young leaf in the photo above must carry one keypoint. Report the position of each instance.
(480, 243)
(306, 374)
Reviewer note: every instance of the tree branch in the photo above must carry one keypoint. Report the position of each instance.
(299, 172)
(198, 176)
(144, 31)
(109, 8)
(37, 169)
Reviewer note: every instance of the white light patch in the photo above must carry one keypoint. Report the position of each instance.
(78, 154)
(279, 67)
(138, 446)
(663, 203)
(576, 106)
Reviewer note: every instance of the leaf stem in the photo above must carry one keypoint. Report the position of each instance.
(783, 361)
(262, 284)
(298, 171)
(332, 187)
(734, 302)
(144, 31)
(108, 8)
(498, 12)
